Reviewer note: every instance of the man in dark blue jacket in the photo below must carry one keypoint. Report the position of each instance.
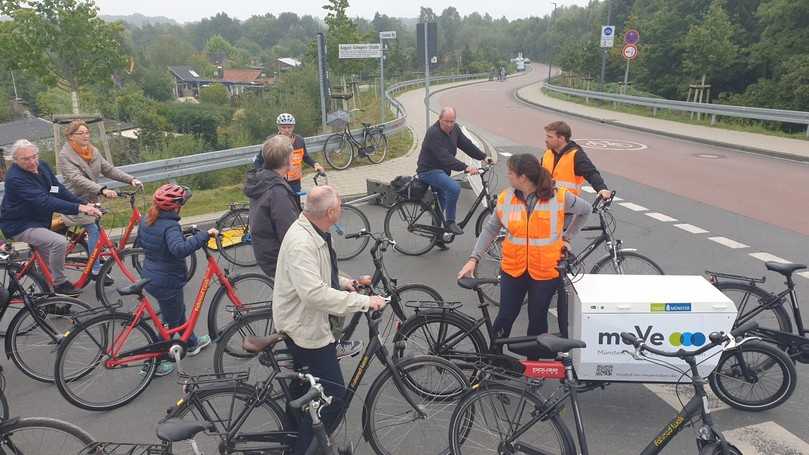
(32, 195)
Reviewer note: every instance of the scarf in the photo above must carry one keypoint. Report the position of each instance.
(85, 152)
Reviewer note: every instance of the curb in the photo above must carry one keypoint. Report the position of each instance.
(736, 147)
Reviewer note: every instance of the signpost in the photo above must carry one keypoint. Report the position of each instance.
(382, 37)
(630, 52)
(607, 36)
(427, 46)
(363, 50)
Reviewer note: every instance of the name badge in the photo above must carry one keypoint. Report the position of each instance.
(54, 189)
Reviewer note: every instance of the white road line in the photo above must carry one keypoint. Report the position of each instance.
(669, 393)
(588, 189)
(728, 242)
(766, 438)
(691, 228)
(661, 217)
(804, 274)
(765, 257)
(634, 207)
(616, 199)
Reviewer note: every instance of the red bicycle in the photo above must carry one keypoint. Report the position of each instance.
(109, 360)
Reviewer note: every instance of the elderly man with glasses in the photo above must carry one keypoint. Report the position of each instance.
(32, 195)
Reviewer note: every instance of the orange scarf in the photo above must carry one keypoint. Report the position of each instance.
(85, 152)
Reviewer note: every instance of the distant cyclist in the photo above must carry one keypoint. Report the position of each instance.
(286, 127)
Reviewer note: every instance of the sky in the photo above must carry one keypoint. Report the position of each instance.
(194, 10)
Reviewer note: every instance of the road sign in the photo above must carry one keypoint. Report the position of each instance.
(630, 52)
(631, 36)
(364, 50)
(607, 36)
(387, 35)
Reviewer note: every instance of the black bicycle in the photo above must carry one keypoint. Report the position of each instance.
(400, 411)
(417, 225)
(230, 355)
(340, 148)
(618, 260)
(506, 413)
(749, 380)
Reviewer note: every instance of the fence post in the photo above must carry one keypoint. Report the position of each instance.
(713, 119)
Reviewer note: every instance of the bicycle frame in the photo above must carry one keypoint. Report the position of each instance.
(14, 287)
(437, 209)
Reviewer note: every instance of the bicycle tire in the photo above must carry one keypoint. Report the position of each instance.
(384, 401)
(410, 212)
(213, 405)
(423, 331)
(775, 318)
(27, 343)
(336, 147)
(463, 424)
(729, 371)
(715, 448)
(229, 354)
(488, 266)
(351, 222)
(137, 262)
(410, 293)
(84, 379)
(481, 220)
(15, 437)
(379, 141)
(108, 295)
(219, 312)
(33, 283)
(630, 262)
(234, 227)
(4, 412)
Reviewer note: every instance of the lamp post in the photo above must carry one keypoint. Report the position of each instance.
(549, 41)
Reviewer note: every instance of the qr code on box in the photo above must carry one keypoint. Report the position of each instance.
(604, 370)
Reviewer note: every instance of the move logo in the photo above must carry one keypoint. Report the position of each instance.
(676, 339)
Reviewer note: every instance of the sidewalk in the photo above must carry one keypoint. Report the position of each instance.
(793, 149)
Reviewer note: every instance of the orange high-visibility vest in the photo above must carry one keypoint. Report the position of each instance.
(533, 244)
(295, 165)
(564, 172)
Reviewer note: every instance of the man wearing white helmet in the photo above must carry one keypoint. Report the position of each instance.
(286, 127)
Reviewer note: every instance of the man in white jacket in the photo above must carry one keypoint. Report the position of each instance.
(307, 291)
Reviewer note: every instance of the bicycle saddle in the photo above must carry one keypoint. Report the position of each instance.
(175, 430)
(134, 289)
(783, 269)
(559, 344)
(475, 283)
(255, 344)
(366, 125)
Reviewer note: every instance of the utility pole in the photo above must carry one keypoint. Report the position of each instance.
(550, 22)
(605, 51)
(426, 75)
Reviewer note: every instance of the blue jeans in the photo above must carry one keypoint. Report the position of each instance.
(540, 293)
(172, 307)
(92, 240)
(448, 191)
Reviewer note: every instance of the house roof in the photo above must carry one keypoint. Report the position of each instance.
(242, 75)
(186, 73)
(33, 129)
(290, 61)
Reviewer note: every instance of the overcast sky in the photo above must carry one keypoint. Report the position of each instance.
(194, 10)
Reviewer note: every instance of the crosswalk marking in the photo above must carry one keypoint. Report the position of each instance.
(728, 242)
(691, 228)
(588, 189)
(804, 275)
(766, 438)
(765, 257)
(634, 207)
(669, 394)
(661, 217)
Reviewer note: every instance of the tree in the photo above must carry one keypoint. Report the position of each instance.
(341, 31)
(219, 47)
(62, 42)
(158, 84)
(709, 47)
(215, 94)
(427, 15)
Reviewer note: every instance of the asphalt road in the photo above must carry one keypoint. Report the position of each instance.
(725, 197)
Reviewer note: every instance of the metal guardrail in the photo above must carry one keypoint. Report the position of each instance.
(152, 171)
(714, 110)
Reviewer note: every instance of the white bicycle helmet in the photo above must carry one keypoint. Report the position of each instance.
(285, 119)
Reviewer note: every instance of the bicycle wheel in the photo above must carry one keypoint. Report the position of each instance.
(108, 294)
(409, 293)
(715, 448)
(229, 354)
(410, 224)
(748, 298)
(489, 267)
(32, 283)
(221, 406)
(486, 419)
(236, 242)
(338, 151)
(629, 263)
(378, 147)
(136, 262)
(390, 422)
(351, 222)
(82, 374)
(42, 436)
(446, 334)
(31, 346)
(756, 376)
(254, 291)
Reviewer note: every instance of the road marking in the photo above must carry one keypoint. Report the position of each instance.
(669, 393)
(634, 207)
(611, 144)
(617, 199)
(804, 274)
(661, 217)
(728, 242)
(691, 228)
(767, 257)
(766, 438)
(588, 189)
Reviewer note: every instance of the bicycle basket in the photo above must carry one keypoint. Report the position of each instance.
(411, 188)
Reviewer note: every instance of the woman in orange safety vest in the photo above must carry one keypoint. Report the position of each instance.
(532, 212)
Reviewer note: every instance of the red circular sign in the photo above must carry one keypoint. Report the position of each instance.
(631, 36)
(630, 52)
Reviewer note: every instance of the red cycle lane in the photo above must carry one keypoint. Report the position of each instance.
(767, 189)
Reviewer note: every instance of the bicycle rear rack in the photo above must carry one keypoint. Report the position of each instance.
(432, 305)
(729, 276)
(235, 377)
(121, 448)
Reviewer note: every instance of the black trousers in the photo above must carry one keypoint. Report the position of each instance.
(540, 292)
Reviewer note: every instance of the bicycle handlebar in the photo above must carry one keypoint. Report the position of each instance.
(364, 233)
(716, 339)
(600, 204)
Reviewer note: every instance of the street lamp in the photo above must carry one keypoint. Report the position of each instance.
(549, 41)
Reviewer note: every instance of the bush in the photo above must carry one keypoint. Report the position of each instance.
(201, 120)
(215, 94)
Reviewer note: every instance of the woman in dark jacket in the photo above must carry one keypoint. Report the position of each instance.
(273, 204)
(165, 249)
